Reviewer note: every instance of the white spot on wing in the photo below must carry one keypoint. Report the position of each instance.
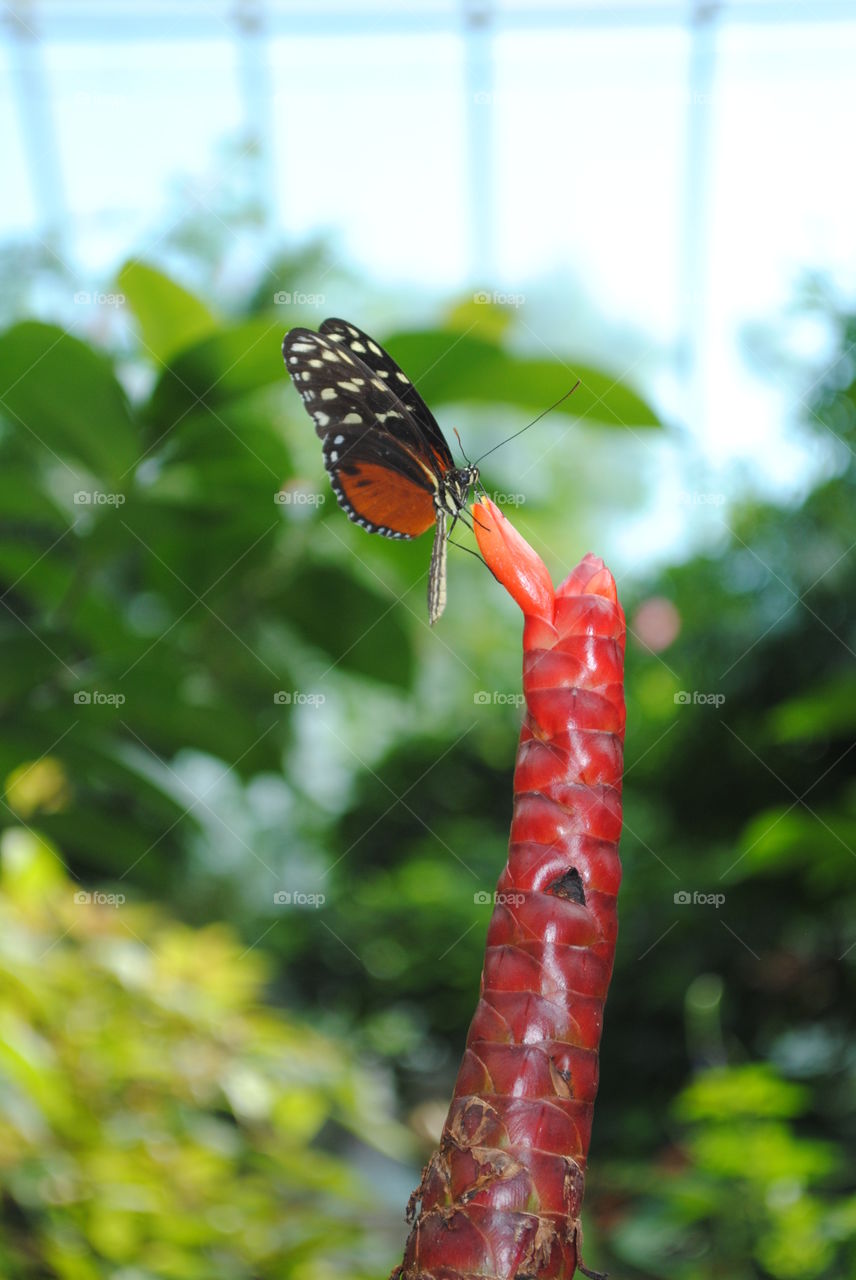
(328, 393)
(351, 419)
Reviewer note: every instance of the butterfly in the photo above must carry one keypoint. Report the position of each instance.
(388, 461)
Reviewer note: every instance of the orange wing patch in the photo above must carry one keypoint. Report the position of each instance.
(386, 499)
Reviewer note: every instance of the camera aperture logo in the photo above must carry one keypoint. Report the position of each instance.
(94, 897)
(296, 497)
(97, 498)
(507, 899)
(499, 299)
(295, 298)
(696, 698)
(95, 698)
(294, 698)
(683, 898)
(94, 297)
(295, 898)
(495, 697)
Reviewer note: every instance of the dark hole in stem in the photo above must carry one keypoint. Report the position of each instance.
(569, 886)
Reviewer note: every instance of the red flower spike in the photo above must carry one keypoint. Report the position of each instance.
(520, 569)
(501, 1198)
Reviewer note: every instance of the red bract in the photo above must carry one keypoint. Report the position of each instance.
(501, 1197)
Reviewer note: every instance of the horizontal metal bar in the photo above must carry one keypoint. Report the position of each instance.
(89, 20)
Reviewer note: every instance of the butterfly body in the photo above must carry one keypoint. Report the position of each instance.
(389, 464)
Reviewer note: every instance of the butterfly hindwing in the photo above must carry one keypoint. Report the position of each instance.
(378, 483)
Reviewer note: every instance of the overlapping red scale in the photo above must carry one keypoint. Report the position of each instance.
(532, 865)
(501, 1198)
(528, 1018)
(528, 1070)
(523, 917)
(487, 1242)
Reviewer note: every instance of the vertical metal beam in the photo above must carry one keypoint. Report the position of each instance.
(32, 93)
(256, 92)
(480, 109)
(695, 232)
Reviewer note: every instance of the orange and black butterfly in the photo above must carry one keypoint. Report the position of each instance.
(389, 464)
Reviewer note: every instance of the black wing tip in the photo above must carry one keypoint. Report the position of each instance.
(326, 325)
(296, 334)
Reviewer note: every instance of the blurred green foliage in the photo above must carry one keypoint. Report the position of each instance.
(158, 1120)
(724, 1134)
(148, 568)
(741, 1192)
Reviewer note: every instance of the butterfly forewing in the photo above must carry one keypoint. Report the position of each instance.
(388, 461)
(383, 475)
(382, 365)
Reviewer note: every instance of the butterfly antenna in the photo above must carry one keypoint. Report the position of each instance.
(529, 424)
(470, 551)
(465, 522)
(461, 446)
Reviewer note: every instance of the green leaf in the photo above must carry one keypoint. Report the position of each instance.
(353, 624)
(64, 400)
(450, 367)
(751, 1090)
(233, 362)
(168, 316)
(777, 839)
(22, 497)
(825, 712)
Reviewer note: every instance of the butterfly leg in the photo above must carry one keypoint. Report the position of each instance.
(437, 570)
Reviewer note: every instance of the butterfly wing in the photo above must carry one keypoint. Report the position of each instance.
(382, 365)
(379, 484)
(383, 474)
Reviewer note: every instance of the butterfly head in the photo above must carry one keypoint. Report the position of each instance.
(457, 483)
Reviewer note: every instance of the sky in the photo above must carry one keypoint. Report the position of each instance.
(654, 222)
